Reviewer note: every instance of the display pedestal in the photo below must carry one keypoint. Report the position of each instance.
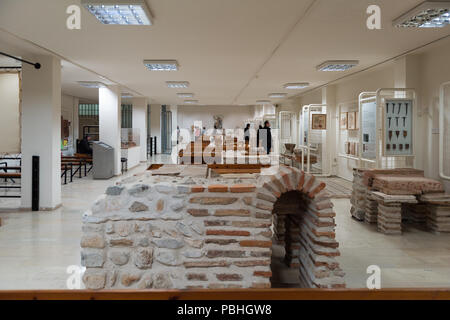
(133, 156)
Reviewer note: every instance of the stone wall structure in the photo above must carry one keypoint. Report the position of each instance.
(167, 232)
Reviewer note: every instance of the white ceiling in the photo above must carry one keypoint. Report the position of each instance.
(231, 51)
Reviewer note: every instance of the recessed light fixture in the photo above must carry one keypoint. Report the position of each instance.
(277, 95)
(296, 86)
(190, 101)
(337, 65)
(122, 12)
(161, 65)
(91, 84)
(428, 14)
(263, 101)
(185, 95)
(127, 95)
(177, 84)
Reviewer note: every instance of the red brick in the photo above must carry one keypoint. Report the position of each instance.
(242, 188)
(301, 181)
(225, 254)
(213, 200)
(227, 233)
(197, 276)
(229, 277)
(316, 190)
(221, 242)
(218, 188)
(197, 189)
(309, 184)
(265, 274)
(252, 263)
(216, 223)
(198, 212)
(287, 181)
(232, 212)
(278, 184)
(257, 285)
(206, 264)
(255, 243)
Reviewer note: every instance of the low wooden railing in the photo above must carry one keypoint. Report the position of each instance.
(242, 294)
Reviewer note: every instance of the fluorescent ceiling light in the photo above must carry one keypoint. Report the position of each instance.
(263, 101)
(295, 86)
(91, 84)
(277, 95)
(185, 95)
(161, 65)
(127, 95)
(338, 65)
(428, 14)
(122, 12)
(177, 84)
(190, 101)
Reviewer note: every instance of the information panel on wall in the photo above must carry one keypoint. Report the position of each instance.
(398, 127)
(369, 129)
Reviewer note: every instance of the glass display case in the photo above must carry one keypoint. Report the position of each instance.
(130, 137)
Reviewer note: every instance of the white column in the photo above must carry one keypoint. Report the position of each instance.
(140, 122)
(329, 153)
(155, 124)
(174, 110)
(75, 123)
(109, 105)
(41, 130)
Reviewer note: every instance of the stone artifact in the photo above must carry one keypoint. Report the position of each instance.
(218, 235)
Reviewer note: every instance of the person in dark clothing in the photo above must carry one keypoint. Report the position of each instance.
(266, 137)
(257, 135)
(84, 146)
(247, 132)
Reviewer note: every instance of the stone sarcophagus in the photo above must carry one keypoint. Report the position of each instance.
(155, 232)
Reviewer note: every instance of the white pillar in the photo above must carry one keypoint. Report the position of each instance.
(41, 130)
(75, 123)
(155, 124)
(109, 105)
(330, 154)
(140, 122)
(174, 110)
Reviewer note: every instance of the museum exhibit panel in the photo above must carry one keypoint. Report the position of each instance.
(225, 146)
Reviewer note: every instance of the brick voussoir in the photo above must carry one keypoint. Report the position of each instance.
(309, 182)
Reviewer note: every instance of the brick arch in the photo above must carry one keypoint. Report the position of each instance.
(304, 222)
(151, 232)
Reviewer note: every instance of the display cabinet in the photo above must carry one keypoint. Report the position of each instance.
(444, 131)
(311, 152)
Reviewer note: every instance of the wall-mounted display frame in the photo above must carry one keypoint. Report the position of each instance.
(312, 142)
(398, 127)
(343, 121)
(318, 121)
(396, 143)
(368, 129)
(351, 121)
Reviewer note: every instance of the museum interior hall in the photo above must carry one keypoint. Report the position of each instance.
(224, 144)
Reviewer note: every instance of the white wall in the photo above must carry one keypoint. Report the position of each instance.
(424, 71)
(233, 116)
(434, 70)
(10, 113)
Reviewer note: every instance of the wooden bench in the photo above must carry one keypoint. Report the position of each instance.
(12, 176)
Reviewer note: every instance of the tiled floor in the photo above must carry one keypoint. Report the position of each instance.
(37, 248)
